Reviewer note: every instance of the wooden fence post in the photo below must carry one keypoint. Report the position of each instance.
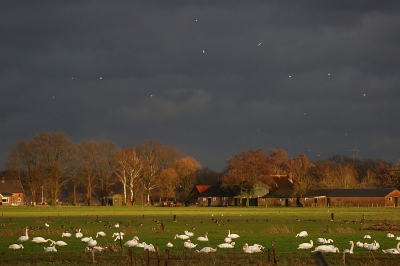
(166, 258)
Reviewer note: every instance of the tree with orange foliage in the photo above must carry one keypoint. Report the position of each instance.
(245, 170)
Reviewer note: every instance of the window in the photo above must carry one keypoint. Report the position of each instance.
(390, 198)
(4, 200)
(223, 198)
(19, 199)
(214, 199)
(204, 199)
(263, 199)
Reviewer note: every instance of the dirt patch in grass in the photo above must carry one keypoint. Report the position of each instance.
(383, 226)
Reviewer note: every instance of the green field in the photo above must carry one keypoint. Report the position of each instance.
(254, 225)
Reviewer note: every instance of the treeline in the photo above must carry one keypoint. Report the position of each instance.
(93, 170)
(249, 168)
(52, 165)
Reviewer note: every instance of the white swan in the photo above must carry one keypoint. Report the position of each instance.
(16, 246)
(367, 236)
(206, 250)
(326, 249)
(141, 245)
(228, 240)
(86, 239)
(322, 240)
(66, 234)
(101, 233)
(373, 246)
(190, 234)
(133, 242)
(302, 234)
(149, 247)
(227, 245)
(393, 250)
(390, 235)
(306, 245)
(189, 245)
(50, 249)
(59, 243)
(78, 234)
(170, 245)
(359, 244)
(350, 251)
(183, 237)
(40, 239)
(25, 237)
(398, 238)
(233, 236)
(251, 249)
(203, 238)
(92, 242)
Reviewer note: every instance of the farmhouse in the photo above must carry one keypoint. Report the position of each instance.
(11, 193)
(212, 195)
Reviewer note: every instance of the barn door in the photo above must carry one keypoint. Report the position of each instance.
(209, 202)
(396, 201)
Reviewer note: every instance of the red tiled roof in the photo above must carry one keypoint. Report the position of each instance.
(202, 188)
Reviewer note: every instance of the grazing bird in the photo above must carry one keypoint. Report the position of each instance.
(190, 234)
(373, 246)
(367, 236)
(206, 250)
(170, 245)
(92, 242)
(40, 239)
(141, 245)
(78, 234)
(25, 237)
(227, 245)
(58, 243)
(85, 239)
(66, 234)
(203, 238)
(183, 237)
(393, 250)
(326, 249)
(189, 245)
(50, 249)
(16, 246)
(321, 240)
(101, 233)
(302, 234)
(251, 249)
(306, 245)
(233, 236)
(350, 251)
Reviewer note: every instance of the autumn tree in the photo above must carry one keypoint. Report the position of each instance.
(279, 158)
(186, 169)
(301, 169)
(169, 180)
(88, 156)
(25, 162)
(245, 170)
(385, 175)
(57, 159)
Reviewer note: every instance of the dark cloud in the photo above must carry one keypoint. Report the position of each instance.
(210, 78)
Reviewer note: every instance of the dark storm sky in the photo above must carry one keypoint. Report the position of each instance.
(212, 78)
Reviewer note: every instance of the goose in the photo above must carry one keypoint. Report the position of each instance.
(101, 233)
(350, 251)
(189, 245)
(25, 237)
(16, 246)
(66, 234)
(206, 250)
(92, 242)
(326, 249)
(170, 245)
(390, 235)
(133, 242)
(50, 249)
(251, 249)
(183, 237)
(306, 245)
(203, 238)
(59, 243)
(149, 247)
(302, 234)
(40, 239)
(393, 250)
(367, 236)
(190, 234)
(233, 236)
(85, 239)
(228, 240)
(78, 234)
(227, 245)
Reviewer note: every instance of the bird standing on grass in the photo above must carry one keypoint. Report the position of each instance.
(25, 237)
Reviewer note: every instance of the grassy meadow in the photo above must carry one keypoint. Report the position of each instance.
(254, 225)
